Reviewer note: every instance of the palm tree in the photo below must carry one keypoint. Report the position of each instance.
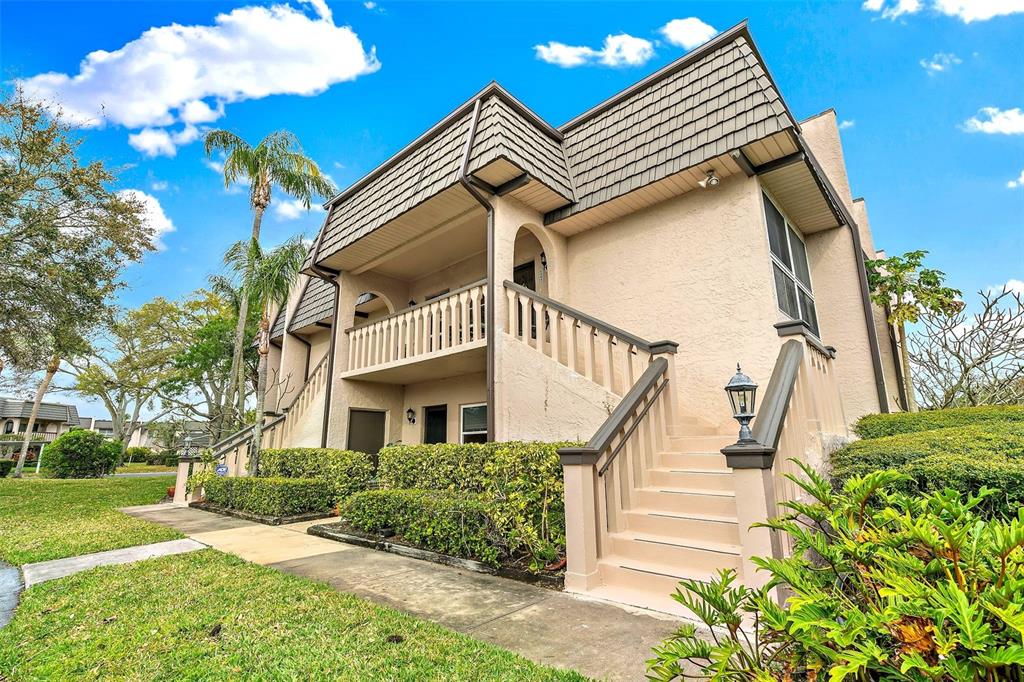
(267, 277)
(276, 160)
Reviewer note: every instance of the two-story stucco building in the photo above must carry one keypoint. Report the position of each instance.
(501, 278)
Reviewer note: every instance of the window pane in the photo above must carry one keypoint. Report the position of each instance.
(785, 289)
(810, 315)
(799, 259)
(474, 418)
(474, 438)
(776, 231)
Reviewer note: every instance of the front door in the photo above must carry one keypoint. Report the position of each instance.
(435, 424)
(366, 431)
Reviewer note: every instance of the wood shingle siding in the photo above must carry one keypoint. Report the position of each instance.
(277, 329)
(316, 305)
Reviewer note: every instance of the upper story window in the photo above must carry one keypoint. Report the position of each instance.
(789, 263)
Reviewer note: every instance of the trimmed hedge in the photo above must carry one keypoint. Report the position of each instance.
(82, 454)
(6, 466)
(451, 523)
(962, 458)
(344, 471)
(269, 496)
(137, 454)
(881, 425)
(440, 466)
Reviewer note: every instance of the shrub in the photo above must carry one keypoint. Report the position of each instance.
(137, 454)
(451, 523)
(82, 454)
(170, 461)
(881, 425)
(439, 466)
(6, 465)
(345, 471)
(880, 586)
(269, 496)
(963, 459)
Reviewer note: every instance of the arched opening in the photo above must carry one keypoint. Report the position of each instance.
(370, 306)
(9, 426)
(530, 260)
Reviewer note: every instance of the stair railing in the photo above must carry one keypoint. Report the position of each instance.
(599, 351)
(601, 478)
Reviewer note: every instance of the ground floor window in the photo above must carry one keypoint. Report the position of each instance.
(474, 423)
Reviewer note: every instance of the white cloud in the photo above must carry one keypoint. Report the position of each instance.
(847, 124)
(1018, 182)
(688, 33)
(291, 209)
(159, 185)
(618, 50)
(939, 62)
(993, 120)
(964, 10)
(186, 74)
(216, 165)
(1014, 285)
(153, 215)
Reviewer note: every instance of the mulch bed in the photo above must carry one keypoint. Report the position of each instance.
(260, 518)
(342, 532)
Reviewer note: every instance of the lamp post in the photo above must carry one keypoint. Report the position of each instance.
(742, 392)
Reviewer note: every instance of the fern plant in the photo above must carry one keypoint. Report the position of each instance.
(878, 585)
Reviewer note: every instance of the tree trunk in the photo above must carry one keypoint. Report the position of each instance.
(44, 386)
(261, 393)
(235, 385)
(908, 382)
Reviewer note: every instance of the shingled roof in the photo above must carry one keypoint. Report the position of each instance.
(53, 412)
(316, 304)
(713, 100)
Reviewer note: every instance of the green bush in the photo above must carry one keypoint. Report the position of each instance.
(269, 496)
(456, 524)
(82, 454)
(439, 466)
(963, 459)
(879, 586)
(345, 471)
(6, 465)
(170, 461)
(881, 425)
(137, 454)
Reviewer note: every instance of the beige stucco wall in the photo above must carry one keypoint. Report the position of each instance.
(453, 392)
(695, 270)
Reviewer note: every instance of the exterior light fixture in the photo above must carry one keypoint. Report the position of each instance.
(410, 415)
(709, 182)
(742, 392)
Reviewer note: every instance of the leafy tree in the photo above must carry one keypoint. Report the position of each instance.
(64, 236)
(126, 368)
(267, 277)
(277, 160)
(907, 289)
(963, 360)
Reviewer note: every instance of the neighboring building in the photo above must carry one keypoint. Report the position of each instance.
(53, 419)
(104, 427)
(500, 278)
(149, 436)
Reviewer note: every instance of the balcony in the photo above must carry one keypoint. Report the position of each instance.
(442, 337)
(37, 437)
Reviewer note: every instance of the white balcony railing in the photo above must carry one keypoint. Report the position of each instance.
(445, 324)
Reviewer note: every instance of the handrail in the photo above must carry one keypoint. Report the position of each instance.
(616, 421)
(230, 440)
(768, 425)
(652, 347)
(405, 311)
(305, 384)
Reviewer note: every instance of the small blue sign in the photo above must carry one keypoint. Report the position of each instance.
(221, 469)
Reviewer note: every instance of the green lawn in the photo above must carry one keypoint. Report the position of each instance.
(42, 519)
(142, 468)
(211, 616)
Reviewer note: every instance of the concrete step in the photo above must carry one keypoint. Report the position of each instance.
(701, 556)
(699, 443)
(723, 529)
(643, 584)
(686, 500)
(691, 460)
(700, 479)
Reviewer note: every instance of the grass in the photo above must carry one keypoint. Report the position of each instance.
(141, 468)
(211, 616)
(43, 519)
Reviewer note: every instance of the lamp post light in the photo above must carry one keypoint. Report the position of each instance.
(187, 450)
(410, 415)
(742, 392)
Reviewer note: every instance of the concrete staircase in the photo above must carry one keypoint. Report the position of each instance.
(680, 522)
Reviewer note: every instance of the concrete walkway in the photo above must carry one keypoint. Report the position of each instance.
(10, 588)
(58, 568)
(600, 640)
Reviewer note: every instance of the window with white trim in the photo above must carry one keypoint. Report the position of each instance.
(473, 423)
(789, 265)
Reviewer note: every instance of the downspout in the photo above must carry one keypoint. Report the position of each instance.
(330, 276)
(491, 295)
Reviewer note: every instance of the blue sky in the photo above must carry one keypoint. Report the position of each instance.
(931, 91)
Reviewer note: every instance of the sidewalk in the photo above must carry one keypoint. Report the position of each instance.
(597, 639)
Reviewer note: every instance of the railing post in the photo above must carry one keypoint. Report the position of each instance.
(755, 503)
(581, 517)
(185, 461)
(668, 350)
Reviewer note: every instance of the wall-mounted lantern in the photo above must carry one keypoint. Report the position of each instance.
(742, 392)
(410, 415)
